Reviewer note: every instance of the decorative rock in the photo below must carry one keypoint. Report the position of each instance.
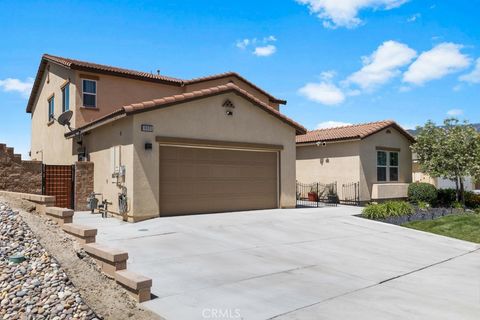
(37, 288)
(20, 293)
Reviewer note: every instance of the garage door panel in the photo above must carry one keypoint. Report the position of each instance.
(194, 180)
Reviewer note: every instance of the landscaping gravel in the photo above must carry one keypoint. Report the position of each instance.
(36, 288)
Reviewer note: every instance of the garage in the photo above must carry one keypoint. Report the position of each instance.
(196, 180)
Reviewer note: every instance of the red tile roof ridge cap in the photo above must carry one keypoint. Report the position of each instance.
(354, 125)
(213, 76)
(69, 61)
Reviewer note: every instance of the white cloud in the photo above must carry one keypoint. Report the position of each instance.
(455, 112)
(408, 126)
(344, 13)
(243, 44)
(382, 65)
(332, 124)
(414, 17)
(457, 88)
(265, 51)
(436, 63)
(269, 39)
(261, 47)
(16, 85)
(323, 92)
(474, 76)
(328, 75)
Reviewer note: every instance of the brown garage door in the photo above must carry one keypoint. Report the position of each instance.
(196, 180)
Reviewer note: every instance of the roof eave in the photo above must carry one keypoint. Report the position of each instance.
(36, 85)
(396, 127)
(313, 142)
(120, 113)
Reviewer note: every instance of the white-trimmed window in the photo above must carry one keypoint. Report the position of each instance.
(387, 165)
(89, 90)
(66, 97)
(51, 108)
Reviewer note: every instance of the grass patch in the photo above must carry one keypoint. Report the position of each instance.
(464, 227)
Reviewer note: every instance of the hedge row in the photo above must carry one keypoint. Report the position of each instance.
(419, 192)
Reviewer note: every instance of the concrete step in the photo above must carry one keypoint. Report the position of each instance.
(61, 215)
(83, 234)
(137, 285)
(109, 259)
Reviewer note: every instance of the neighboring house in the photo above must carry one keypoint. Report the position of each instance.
(375, 155)
(419, 176)
(171, 146)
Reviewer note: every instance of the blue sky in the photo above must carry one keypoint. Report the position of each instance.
(334, 61)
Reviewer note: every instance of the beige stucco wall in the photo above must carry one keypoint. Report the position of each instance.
(206, 119)
(392, 190)
(368, 156)
(48, 143)
(115, 92)
(335, 162)
(98, 145)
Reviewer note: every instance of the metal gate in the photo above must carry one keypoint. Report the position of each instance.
(351, 193)
(58, 181)
(316, 194)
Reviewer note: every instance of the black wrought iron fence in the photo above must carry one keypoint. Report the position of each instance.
(350, 193)
(316, 194)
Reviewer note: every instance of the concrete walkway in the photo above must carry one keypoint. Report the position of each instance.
(297, 264)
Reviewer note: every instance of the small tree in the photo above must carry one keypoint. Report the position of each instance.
(450, 152)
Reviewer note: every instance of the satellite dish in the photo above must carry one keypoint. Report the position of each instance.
(64, 118)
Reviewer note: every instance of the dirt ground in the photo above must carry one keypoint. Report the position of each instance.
(108, 299)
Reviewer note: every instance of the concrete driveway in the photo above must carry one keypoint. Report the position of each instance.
(297, 264)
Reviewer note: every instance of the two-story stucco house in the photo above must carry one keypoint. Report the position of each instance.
(374, 156)
(172, 146)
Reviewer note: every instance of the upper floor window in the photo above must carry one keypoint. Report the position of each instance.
(387, 166)
(89, 93)
(51, 109)
(66, 97)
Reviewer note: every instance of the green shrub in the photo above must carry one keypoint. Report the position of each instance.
(423, 206)
(446, 197)
(421, 191)
(399, 208)
(472, 200)
(374, 211)
(387, 209)
(457, 205)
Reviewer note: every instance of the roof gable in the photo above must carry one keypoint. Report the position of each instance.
(187, 97)
(351, 132)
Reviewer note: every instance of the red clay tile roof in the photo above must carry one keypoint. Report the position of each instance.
(121, 72)
(352, 132)
(186, 97)
(95, 67)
